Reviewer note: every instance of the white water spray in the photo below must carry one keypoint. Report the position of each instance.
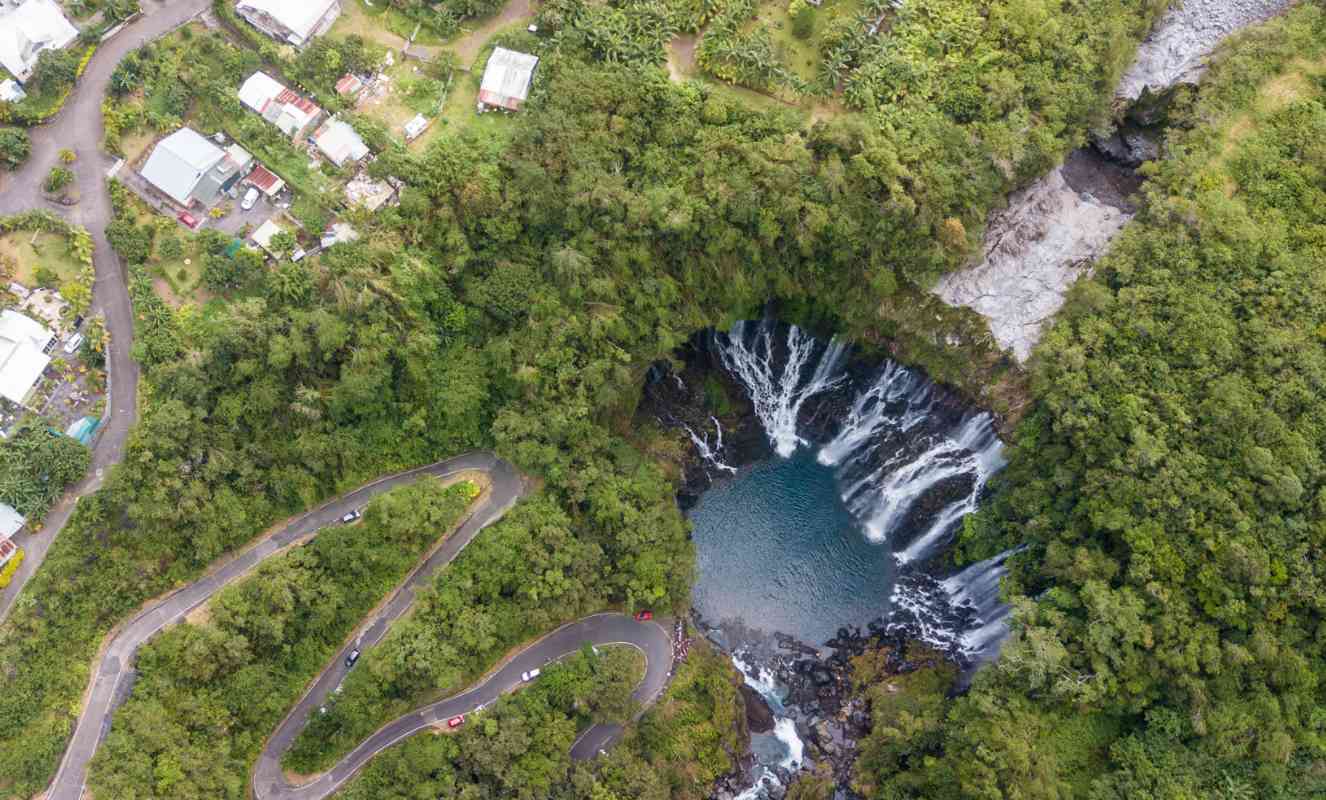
(778, 400)
(710, 454)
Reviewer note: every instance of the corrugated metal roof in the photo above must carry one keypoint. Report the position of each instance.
(300, 16)
(507, 78)
(179, 161)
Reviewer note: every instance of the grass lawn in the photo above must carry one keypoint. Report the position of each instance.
(48, 250)
(802, 56)
(178, 279)
(357, 19)
(380, 23)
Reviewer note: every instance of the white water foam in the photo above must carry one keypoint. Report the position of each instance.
(778, 400)
(710, 454)
(761, 679)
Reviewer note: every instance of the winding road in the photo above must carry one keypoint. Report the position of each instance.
(78, 127)
(113, 677)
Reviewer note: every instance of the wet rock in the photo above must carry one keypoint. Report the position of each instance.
(1035, 250)
(1185, 35)
(759, 717)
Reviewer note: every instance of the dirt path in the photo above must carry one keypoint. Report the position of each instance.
(681, 56)
(468, 46)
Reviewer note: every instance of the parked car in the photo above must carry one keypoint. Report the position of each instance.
(250, 199)
(531, 675)
(71, 346)
(188, 219)
(643, 616)
(352, 515)
(352, 658)
(456, 721)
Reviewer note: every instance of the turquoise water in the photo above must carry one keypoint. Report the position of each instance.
(778, 551)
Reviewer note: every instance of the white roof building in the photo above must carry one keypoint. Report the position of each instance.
(263, 235)
(11, 522)
(28, 28)
(10, 91)
(180, 163)
(293, 21)
(339, 142)
(23, 357)
(506, 79)
(284, 108)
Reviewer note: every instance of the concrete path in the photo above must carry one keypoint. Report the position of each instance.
(78, 127)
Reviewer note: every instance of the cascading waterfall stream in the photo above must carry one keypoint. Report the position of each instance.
(748, 353)
(909, 466)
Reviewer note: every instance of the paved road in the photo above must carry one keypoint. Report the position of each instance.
(113, 677)
(78, 127)
(652, 640)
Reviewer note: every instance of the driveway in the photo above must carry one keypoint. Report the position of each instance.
(78, 127)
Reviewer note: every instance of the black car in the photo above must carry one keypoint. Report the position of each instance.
(352, 658)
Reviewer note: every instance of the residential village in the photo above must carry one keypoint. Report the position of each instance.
(200, 178)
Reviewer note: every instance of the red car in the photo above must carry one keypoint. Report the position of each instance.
(187, 219)
(643, 616)
(456, 721)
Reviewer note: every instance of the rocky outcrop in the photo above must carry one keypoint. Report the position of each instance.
(1034, 250)
(1189, 31)
(759, 719)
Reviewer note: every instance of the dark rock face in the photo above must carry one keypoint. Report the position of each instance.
(759, 718)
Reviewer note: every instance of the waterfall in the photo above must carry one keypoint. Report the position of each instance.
(909, 462)
(749, 354)
(710, 454)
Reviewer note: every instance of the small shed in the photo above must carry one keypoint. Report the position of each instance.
(507, 79)
(349, 85)
(263, 236)
(265, 181)
(416, 127)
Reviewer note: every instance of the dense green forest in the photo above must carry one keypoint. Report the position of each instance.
(513, 300)
(693, 735)
(209, 693)
(1170, 483)
(518, 749)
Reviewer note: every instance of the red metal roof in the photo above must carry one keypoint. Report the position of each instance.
(7, 549)
(349, 84)
(262, 178)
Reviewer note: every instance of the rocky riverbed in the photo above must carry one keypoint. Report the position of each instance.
(1037, 248)
(1176, 50)
(1052, 231)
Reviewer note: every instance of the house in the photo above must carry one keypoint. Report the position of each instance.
(26, 29)
(290, 112)
(507, 79)
(11, 522)
(338, 233)
(11, 92)
(296, 22)
(339, 142)
(265, 181)
(23, 346)
(187, 168)
(349, 85)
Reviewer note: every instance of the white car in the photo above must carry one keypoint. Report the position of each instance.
(531, 675)
(75, 342)
(351, 516)
(250, 198)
